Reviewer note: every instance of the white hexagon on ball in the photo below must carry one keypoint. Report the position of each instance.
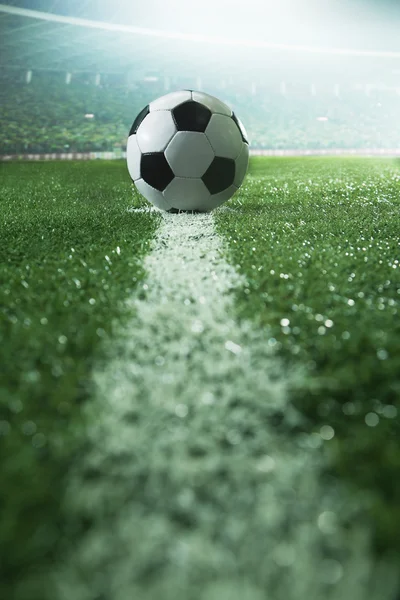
(186, 194)
(189, 154)
(170, 101)
(133, 156)
(224, 136)
(241, 164)
(156, 131)
(214, 104)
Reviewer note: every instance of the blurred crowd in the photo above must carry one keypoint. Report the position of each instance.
(49, 115)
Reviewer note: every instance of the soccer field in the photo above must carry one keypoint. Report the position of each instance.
(318, 241)
(271, 461)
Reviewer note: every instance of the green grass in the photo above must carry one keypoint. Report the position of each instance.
(318, 241)
(69, 255)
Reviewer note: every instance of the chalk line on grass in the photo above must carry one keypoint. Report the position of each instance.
(163, 481)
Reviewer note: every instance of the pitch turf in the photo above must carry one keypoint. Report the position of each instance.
(318, 241)
(69, 256)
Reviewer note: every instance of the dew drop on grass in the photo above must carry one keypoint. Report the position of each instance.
(265, 464)
(389, 411)
(208, 398)
(232, 347)
(331, 571)
(327, 432)
(327, 522)
(16, 406)
(197, 326)
(371, 419)
(29, 428)
(233, 437)
(181, 410)
(348, 408)
(283, 554)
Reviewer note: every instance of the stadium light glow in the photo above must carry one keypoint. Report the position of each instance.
(192, 37)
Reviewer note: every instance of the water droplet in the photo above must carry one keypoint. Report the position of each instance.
(232, 347)
(181, 410)
(208, 398)
(389, 411)
(29, 428)
(197, 326)
(327, 522)
(266, 464)
(283, 554)
(348, 408)
(382, 354)
(233, 437)
(371, 419)
(327, 432)
(331, 571)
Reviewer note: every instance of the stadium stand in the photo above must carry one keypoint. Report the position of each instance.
(47, 115)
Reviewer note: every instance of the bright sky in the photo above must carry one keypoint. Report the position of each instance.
(355, 23)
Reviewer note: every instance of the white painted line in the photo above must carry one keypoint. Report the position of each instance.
(199, 373)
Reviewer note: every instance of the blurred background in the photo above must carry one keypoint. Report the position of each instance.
(303, 75)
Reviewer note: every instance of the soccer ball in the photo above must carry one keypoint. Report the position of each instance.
(187, 151)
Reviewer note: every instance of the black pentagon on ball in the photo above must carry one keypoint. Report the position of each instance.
(191, 116)
(219, 175)
(135, 125)
(242, 132)
(155, 170)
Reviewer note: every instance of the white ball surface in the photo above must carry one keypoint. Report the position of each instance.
(187, 151)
